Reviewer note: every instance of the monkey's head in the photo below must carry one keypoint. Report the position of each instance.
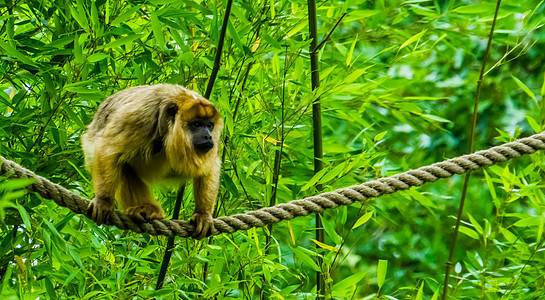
(193, 131)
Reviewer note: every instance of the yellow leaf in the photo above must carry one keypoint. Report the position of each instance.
(271, 140)
(256, 45)
(20, 264)
(291, 234)
(325, 246)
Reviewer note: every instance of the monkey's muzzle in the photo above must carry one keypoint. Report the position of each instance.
(204, 146)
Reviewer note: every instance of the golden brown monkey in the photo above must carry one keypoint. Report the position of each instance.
(146, 133)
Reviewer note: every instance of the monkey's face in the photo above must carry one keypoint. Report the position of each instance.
(201, 133)
(194, 132)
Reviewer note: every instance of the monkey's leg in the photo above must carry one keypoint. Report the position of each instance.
(105, 175)
(205, 191)
(135, 196)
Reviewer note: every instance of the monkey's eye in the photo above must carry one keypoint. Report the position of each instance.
(196, 124)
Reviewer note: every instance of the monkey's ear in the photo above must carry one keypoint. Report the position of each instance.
(171, 111)
(166, 116)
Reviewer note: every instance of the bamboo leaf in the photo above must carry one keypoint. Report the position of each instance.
(381, 272)
(157, 30)
(524, 87)
(363, 219)
(120, 42)
(543, 88)
(305, 259)
(298, 27)
(475, 9)
(469, 232)
(325, 246)
(24, 216)
(413, 39)
(351, 51)
(314, 179)
(350, 282)
(122, 18)
(18, 55)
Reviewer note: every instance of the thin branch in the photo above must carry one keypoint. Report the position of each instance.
(330, 32)
(471, 148)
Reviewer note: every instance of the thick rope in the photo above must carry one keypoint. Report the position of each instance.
(295, 208)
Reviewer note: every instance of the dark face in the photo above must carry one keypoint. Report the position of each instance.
(201, 133)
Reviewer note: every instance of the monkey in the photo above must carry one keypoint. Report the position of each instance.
(143, 134)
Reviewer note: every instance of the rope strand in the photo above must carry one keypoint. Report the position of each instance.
(292, 209)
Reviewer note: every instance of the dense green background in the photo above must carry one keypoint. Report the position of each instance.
(398, 82)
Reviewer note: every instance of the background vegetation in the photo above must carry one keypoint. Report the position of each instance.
(398, 80)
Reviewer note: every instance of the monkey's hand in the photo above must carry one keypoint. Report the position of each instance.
(100, 209)
(146, 212)
(203, 225)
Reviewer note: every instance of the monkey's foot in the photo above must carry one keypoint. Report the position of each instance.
(146, 212)
(203, 225)
(100, 209)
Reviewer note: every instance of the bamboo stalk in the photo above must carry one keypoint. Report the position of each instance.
(317, 132)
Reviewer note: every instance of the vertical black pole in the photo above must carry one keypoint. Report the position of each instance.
(317, 130)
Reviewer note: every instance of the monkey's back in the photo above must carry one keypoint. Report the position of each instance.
(127, 120)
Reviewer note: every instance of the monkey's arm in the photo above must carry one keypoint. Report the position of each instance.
(205, 191)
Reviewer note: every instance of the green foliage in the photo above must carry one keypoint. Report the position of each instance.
(398, 82)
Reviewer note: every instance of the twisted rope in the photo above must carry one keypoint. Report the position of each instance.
(295, 208)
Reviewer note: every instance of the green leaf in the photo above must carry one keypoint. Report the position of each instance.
(75, 257)
(329, 227)
(475, 224)
(72, 116)
(475, 9)
(97, 57)
(436, 118)
(16, 184)
(24, 216)
(305, 258)
(381, 272)
(18, 55)
(420, 293)
(351, 51)
(509, 236)
(543, 88)
(358, 15)
(120, 42)
(80, 18)
(314, 179)
(379, 136)
(413, 39)
(529, 221)
(233, 34)
(469, 232)
(349, 283)
(228, 183)
(122, 18)
(533, 123)
(298, 27)
(355, 75)
(524, 87)
(491, 189)
(363, 219)
(157, 30)
(58, 240)
(50, 289)
(337, 171)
